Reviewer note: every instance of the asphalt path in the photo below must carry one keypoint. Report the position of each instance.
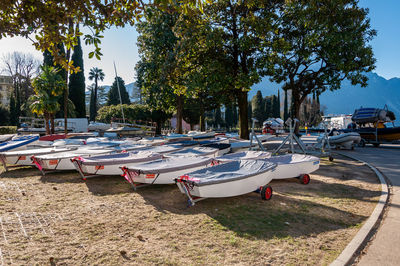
(385, 246)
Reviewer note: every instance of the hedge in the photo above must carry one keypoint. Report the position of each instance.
(8, 130)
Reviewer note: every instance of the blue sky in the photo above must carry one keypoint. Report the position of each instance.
(119, 45)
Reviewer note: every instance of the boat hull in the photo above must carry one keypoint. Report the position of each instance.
(384, 134)
(293, 169)
(229, 189)
(162, 178)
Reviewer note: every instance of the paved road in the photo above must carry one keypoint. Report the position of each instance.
(385, 248)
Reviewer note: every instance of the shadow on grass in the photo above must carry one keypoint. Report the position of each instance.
(61, 177)
(250, 217)
(108, 185)
(20, 172)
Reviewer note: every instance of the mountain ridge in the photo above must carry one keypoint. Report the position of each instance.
(378, 93)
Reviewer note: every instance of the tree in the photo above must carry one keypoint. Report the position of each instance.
(245, 28)
(48, 88)
(285, 107)
(319, 44)
(229, 116)
(77, 82)
(50, 21)
(278, 106)
(95, 74)
(4, 116)
(268, 106)
(49, 60)
(55, 22)
(22, 68)
(257, 104)
(13, 111)
(275, 106)
(92, 106)
(113, 93)
(156, 76)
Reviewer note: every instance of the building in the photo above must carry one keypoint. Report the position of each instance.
(6, 86)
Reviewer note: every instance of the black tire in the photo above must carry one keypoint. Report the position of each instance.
(362, 143)
(305, 179)
(266, 192)
(376, 145)
(331, 158)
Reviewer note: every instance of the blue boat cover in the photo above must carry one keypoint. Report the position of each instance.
(368, 115)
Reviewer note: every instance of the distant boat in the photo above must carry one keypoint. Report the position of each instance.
(375, 126)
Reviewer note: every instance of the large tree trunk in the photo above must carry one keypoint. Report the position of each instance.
(158, 127)
(53, 131)
(46, 122)
(179, 113)
(202, 122)
(202, 119)
(243, 119)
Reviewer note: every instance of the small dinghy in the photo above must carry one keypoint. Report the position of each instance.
(62, 160)
(228, 180)
(340, 139)
(195, 151)
(244, 155)
(294, 166)
(110, 164)
(163, 171)
(18, 143)
(13, 159)
(196, 135)
(162, 149)
(6, 137)
(222, 147)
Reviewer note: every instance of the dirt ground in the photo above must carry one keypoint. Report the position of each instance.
(60, 219)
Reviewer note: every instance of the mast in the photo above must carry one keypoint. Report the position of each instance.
(119, 92)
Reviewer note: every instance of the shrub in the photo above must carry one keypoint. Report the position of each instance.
(8, 130)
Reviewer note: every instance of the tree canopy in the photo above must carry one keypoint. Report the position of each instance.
(318, 45)
(77, 82)
(113, 93)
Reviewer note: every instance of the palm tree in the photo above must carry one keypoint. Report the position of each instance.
(48, 87)
(95, 74)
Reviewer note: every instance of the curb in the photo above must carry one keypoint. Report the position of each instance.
(363, 235)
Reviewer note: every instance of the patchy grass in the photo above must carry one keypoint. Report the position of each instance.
(102, 221)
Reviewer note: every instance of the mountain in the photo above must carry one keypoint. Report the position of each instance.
(378, 93)
(131, 88)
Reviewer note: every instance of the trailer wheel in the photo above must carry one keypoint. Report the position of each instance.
(266, 193)
(331, 158)
(376, 145)
(305, 179)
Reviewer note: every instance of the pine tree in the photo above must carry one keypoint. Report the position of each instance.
(285, 107)
(268, 107)
(275, 107)
(77, 82)
(278, 106)
(257, 104)
(92, 107)
(218, 117)
(229, 116)
(13, 113)
(235, 115)
(113, 94)
(249, 112)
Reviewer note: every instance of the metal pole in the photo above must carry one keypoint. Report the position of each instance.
(119, 92)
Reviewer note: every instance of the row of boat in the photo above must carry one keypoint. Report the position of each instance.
(201, 169)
